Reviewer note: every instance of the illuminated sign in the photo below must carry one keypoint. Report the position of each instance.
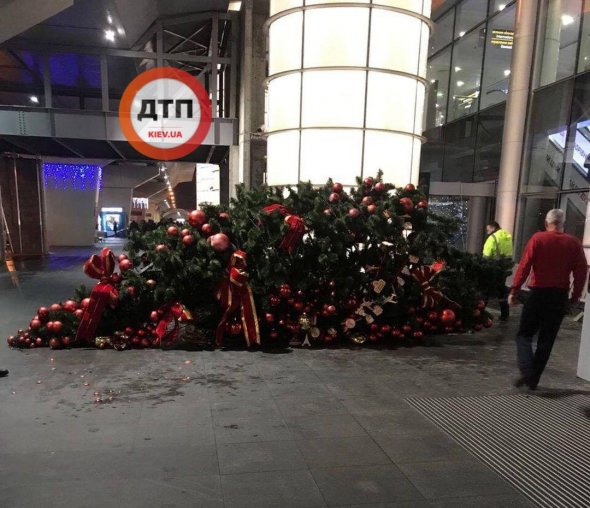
(502, 38)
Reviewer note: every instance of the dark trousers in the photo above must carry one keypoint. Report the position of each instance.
(543, 312)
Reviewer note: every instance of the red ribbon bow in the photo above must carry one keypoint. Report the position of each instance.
(99, 267)
(234, 294)
(424, 275)
(168, 328)
(295, 223)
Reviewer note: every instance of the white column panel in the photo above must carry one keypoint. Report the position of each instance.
(390, 153)
(283, 100)
(387, 110)
(283, 5)
(284, 54)
(282, 153)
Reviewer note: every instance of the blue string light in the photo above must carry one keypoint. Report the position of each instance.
(79, 177)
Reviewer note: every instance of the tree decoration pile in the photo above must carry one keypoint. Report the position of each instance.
(310, 266)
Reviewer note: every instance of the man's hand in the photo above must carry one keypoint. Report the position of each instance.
(512, 300)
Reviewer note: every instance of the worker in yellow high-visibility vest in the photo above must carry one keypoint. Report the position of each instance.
(499, 245)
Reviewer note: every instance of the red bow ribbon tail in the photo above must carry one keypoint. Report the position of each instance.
(424, 276)
(103, 294)
(295, 233)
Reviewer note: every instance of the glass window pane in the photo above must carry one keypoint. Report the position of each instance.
(432, 155)
(442, 32)
(574, 204)
(466, 74)
(558, 41)
(547, 138)
(532, 212)
(21, 78)
(490, 130)
(498, 5)
(389, 105)
(439, 69)
(584, 61)
(577, 154)
(459, 150)
(469, 14)
(498, 57)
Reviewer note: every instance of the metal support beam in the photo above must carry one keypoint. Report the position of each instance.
(104, 83)
(214, 54)
(47, 82)
(68, 147)
(116, 150)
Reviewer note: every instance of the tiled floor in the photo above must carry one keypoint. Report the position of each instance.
(305, 428)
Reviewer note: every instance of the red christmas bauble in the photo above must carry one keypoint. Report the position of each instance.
(418, 334)
(125, 265)
(422, 204)
(224, 216)
(478, 327)
(406, 328)
(380, 187)
(334, 197)
(35, 324)
(129, 330)
(49, 326)
(476, 313)
(219, 242)
(373, 337)
(488, 323)
(407, 203)
(354, 212)
(207, 229)
(136, 341)
(372, 209)
(369, 181)
(197, 218)
(337, 187)
(43, 313)
(172, 231)
(285, 291)
(79, 313)
(328, 211)
(145, 342)
(161, 247)
(274, 300)
(185, 232)
(481, 305)
(432, 316)
(66, 341)
(57, 326)
(188, 240)
(85, 303)
(270, 318)
(54, 343)
(38, 341)
(154, 316)
(447, 317)
(299, 306)
(410, 187)
(367, 200)
(56, 307)
(116, 277)
(331, 309)
(235, 328)
(121, 257)
(386, 329)
(70, 305)
(374, 327)
(396, 332)
(141, 333)
(274, 335)
(131, 290)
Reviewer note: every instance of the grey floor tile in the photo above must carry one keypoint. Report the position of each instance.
(161, 435)
(501, 501)
(284, 489)
(368, 484)
(300, 406)
(260, 456)
(247, 430)
(340, 452)
(446, 479)
(227, 410)
(414, 503)
(422, 448)
(321, 426)
(401, 420)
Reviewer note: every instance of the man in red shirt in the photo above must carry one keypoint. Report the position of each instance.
(553, 256)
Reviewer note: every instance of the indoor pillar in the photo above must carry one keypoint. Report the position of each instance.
(516, 112)
(476, 222)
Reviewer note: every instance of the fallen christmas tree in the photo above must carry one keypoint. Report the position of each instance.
(298, 265)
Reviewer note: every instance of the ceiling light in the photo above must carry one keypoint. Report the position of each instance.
(507, 72)
(433, 80)
(566, 19)
(460, 83)
(109, 19)
(121, 30)
(109, 35)
(457, 69)
(234, 5)
(461, 34)
(501, 7)
(34, 98)
(440, 94)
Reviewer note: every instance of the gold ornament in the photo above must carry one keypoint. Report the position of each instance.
(358, 339)
(315, 332)
(305, 322)
(102, 342)
(151, 283)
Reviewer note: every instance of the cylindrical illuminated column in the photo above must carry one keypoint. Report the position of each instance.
(346, 89)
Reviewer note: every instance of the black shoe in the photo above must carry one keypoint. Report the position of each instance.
(521, 381)
(3, 373)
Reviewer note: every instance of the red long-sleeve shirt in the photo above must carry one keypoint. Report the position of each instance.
(552, 256)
